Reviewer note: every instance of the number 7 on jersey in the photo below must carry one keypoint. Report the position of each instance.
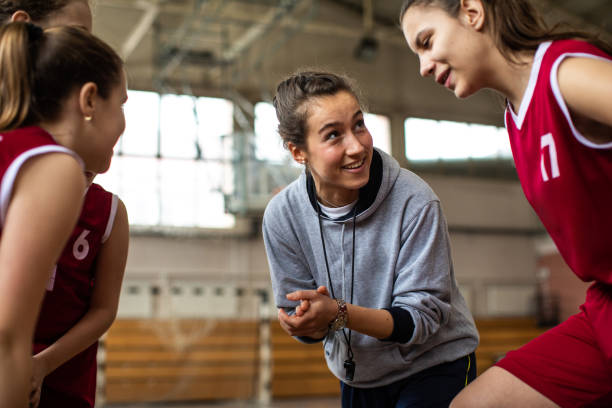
(548, 141)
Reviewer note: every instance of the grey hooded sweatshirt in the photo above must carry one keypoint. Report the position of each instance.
(402, 260)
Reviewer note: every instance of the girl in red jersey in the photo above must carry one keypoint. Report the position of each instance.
(559, 117)
(60, 114)
(83, 292)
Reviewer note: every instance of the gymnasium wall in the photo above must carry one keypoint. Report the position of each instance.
(493, 233)
(558, 280)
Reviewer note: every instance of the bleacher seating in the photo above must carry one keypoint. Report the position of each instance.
(195, 359)
(502, 334)
(180, 360)
(299, 369)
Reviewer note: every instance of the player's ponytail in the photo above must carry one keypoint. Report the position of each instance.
(19, 45)
(40, 70)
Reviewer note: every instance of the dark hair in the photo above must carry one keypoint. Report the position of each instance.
(37, 9)
(515, 25)
(39, 70)
(292, 95)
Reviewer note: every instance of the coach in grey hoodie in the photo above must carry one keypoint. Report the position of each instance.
(382, 253)
(402, 260)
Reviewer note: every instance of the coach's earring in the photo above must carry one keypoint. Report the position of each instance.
(88, 118)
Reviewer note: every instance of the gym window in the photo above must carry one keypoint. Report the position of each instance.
(439, 140)
(173, 161)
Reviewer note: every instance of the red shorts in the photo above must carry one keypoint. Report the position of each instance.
(50, 398)
(73, 384)
(571, 363)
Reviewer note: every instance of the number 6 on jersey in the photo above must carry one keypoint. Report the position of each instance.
(80, 249)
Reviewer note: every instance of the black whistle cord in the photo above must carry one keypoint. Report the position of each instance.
(347, 338)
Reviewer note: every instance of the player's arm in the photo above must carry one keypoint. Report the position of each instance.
(43, 209)
(110, 266)
(586, 86)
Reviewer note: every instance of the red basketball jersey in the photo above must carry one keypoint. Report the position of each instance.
(69, 294)
(16, 147)
(566, 178)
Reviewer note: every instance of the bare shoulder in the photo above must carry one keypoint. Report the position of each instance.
(586, 86)
(52, 171)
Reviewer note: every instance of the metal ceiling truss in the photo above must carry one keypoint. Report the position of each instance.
(180, 50)
(151, 11)
(173, 52)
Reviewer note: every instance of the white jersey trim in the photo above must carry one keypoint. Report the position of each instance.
(533, 79)
(8, 180)
(554, 83)
(111, 218)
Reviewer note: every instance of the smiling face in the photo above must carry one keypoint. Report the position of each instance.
(338, 147)
(110, 129)
(450, 49)
(106, 126)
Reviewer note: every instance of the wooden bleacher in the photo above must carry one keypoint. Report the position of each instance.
(500, 335)
(298, 369)
(182, 360)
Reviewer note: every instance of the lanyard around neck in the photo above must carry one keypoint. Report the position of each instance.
(331, 286)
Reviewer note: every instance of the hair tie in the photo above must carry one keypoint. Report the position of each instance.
(35, 33)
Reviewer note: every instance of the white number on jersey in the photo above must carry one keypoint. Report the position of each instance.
(548, 141)
(80, 249)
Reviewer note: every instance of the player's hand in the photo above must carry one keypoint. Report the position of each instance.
(38, 375)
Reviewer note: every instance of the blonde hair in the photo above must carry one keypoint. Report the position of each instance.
(39, 70)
